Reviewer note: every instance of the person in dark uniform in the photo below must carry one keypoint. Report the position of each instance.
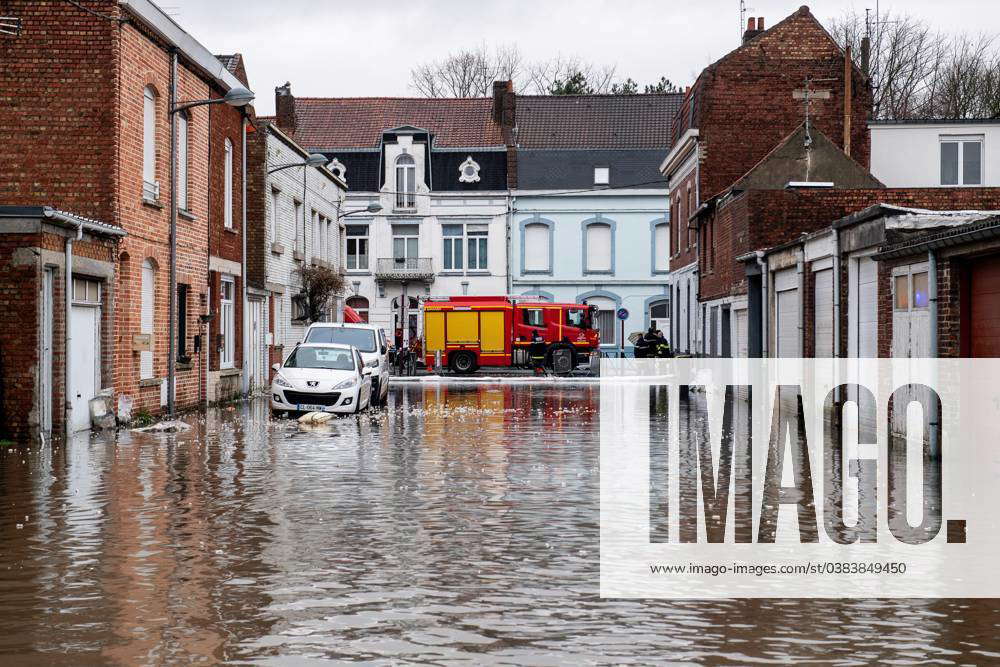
(537, 351)
(661, 347)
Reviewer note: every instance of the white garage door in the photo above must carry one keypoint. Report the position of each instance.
(823, 298)
(864, 308)
(740, 333)
(786, 325)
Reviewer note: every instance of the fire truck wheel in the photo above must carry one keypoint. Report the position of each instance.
(560, 346)
(462, 362)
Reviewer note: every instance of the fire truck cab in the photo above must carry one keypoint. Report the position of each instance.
(471, 332)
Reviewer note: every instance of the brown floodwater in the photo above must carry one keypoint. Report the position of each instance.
(458, 525)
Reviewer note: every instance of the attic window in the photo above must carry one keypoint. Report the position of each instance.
(602, 175)
(468, 171)
(338, 168)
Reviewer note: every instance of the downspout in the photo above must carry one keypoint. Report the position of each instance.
(243, 269)
(68, 298)
(172, 289)
(510, 240)
(765, 325)
(836, 293)
(932, 288)
(800, 266)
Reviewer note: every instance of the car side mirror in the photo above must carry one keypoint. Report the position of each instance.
(276, 367)
(384, 349)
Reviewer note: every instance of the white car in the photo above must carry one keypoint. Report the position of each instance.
(319, 377)
(371, 342)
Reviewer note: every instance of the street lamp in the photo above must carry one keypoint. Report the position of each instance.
(371, 208)
(312, 160)
(236, 97)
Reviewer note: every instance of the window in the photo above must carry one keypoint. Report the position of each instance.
(182, 313)
(227, 196)
(405, 244)
(300, 309)
(659, 314)
(295, 222)
(357, 247)
(604, 318)
(150, 187)
(227, 323)
(661, 247)
(272, 227)
(406, 181)
(331, 238)
(465, 246)
(961, 161)
(317, 234)
(920, 293)
(86, 291)
(534, 317)
(910, 291)
(578, 317)
(687, 216)
(537, 248)
(182, 161)
(360, 306)
(902, 291)
(146, 320)
(468, 171)
(602, 175)
(338, 169)
(598, 248)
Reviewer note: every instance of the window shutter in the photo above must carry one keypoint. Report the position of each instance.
(536, 247)
(599, 247)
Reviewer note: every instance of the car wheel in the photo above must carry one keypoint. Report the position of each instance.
(462, 362)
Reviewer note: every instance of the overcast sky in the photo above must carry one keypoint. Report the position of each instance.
(337, 49)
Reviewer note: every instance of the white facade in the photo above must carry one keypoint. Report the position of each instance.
(303, 226)
(936, 153)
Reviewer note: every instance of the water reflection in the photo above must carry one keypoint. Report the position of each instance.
(459, 524)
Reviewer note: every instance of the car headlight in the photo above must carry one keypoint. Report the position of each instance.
(347, 384)
(281, 382)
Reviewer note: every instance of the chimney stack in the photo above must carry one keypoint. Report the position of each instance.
(284, 106)
(504, 108)
(754, 28)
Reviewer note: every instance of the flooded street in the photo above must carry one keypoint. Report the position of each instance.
(458, 525)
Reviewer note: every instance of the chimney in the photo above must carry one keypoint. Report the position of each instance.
(752, 29)
(848, 93)
(504, 109)
(760, 24)
(284, 106)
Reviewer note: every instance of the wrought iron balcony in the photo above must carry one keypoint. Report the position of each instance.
(404, 268)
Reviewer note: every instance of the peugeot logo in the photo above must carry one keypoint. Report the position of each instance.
(312, 383)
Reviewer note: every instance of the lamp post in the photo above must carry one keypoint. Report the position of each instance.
(313, 160)
(237, 97)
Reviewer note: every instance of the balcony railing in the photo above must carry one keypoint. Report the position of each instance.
(404, 268)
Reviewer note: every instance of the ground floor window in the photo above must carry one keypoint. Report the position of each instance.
(182, 313)
(659, 314)
(227, 323)
(360, 306)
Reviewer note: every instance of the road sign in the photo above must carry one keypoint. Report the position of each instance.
(623, 313)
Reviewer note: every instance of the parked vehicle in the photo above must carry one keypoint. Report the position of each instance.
(498, 331)
(369, 339)
(321, 377)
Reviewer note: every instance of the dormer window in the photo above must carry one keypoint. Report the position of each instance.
(338, 169)
(602, 175)
(468, 171)
(406, 181)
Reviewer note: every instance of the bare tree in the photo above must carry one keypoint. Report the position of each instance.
(547, 75)
(965, 85)
(468, 73)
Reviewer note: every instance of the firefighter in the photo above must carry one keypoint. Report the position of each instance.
(537, 351)
(661, 347)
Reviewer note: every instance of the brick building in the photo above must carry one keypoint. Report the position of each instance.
(102, 79)
(737, 111)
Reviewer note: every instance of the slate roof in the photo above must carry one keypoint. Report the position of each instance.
(358, 122)
(596, 121)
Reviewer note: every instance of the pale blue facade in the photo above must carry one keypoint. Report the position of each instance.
(625, 271)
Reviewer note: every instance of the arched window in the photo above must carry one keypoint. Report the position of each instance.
(150, 188)
(537, 247)
(360, 306)
(182, 161)
(604, 318)
(661, 247)
(406, 181)
(599, 243)
(146, 318)
(228, 188)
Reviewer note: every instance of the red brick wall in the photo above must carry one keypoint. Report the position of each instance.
(257, 194)
(18, 337)
(727, 229)
(746, 105)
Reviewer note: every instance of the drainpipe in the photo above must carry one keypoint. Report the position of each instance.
(932, 288)
(764, 325)
(836, 293)
(245, 384)
(68, 298)
(172, 288)
(510, 242)
(800, 266)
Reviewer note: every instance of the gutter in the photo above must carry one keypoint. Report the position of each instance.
(987, 229)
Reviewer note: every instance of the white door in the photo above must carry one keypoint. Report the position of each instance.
(910, 312)
(84, 356)
(741, 334)
(864, 309)
(256, 345)
(227, 323)
(823, 300)
(786, 316)
(45, 381)
(146, 322)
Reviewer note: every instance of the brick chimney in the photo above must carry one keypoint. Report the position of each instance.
(284, 105)
(505, 108)
(755, 26)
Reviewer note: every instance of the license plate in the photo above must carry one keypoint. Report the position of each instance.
(301, 407)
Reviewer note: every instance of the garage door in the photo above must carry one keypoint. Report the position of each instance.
(786, 324)
(823, 298)
(985, 307)
(740, 333)
(864, 309)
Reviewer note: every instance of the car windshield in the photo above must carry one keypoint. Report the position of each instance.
(363, 339)
(321, 357)
(578, 317)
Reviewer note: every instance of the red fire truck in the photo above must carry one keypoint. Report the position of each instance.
(474, 331)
